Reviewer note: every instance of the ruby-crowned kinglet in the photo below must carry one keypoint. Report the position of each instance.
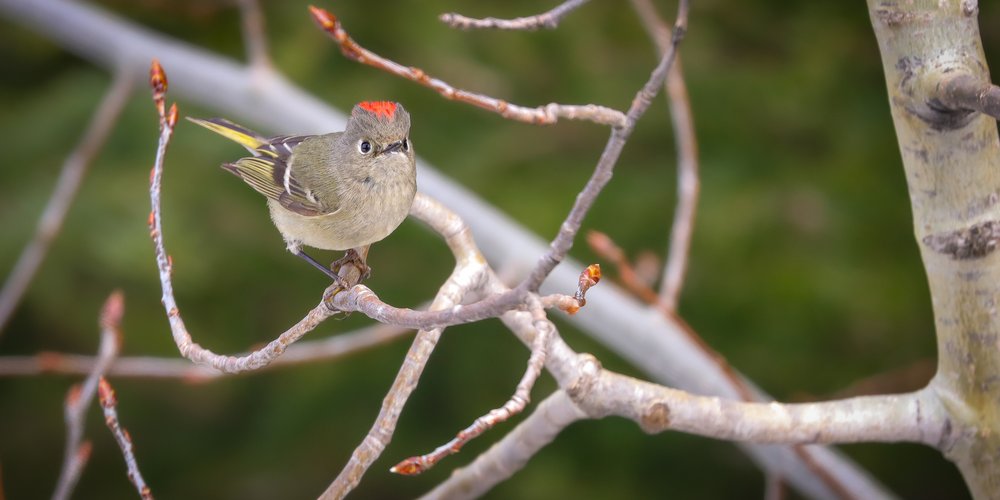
(339, 191)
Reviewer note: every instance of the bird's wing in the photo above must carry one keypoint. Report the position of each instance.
(267, 170)
(272, 178)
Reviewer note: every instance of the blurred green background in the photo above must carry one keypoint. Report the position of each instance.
(804, 272)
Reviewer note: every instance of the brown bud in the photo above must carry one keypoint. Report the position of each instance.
(324, 18)
(106, 393)
(157, 79)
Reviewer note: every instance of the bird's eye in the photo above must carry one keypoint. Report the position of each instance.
(365, 147)
(406, 145)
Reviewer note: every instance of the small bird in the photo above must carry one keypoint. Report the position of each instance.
(338, 191)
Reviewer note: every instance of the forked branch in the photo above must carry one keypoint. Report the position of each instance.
(80, 396)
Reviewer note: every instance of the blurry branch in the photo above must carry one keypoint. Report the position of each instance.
(605, 247)
(658, 347)
(963, 91)
(73, 171)
(254, 36)
(511, 453)
(547, 114)
(109, 402)
(548, 19)
(329, 349)
(687, 159)
(79, 397)
(515, 405)
(774, 487)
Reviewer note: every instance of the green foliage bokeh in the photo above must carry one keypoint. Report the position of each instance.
(804, 272)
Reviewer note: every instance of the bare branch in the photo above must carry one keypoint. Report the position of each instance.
(515, 405)
(468, 276)
(187, 347)
(915, 417)
(688, 183)
(542, 115)
(563, 241)
(109, 402)
(774, 487)
(512, 453)
(254, 36)
(329, 349)
(73, 171)
(962, 91)
(77, 452)
(548, 19)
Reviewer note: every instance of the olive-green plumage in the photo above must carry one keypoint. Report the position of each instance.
(338, 191)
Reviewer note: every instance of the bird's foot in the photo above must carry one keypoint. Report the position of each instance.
(352, 258)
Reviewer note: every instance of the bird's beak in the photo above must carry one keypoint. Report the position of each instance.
(395, 146)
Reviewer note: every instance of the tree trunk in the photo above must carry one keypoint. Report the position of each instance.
(952, 160)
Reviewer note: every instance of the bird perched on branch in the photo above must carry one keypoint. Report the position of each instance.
(338, 191)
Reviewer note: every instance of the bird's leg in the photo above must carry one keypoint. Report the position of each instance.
(355, 257)
(341, 282)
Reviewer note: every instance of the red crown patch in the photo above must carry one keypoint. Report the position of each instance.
(382, 109)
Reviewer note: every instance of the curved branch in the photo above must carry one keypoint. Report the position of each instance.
(688, 183)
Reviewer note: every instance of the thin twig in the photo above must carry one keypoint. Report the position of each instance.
(109, 402)
(325, 350)
(688, 183)
(548, 19)
(543, 115)
(468, 276)
(511, 454)
(187, 347)
(73, 171)
(254, 35)
(563, 241)
(514, 406)
(77, 452)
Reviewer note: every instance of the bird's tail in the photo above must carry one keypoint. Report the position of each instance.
(240, 135)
